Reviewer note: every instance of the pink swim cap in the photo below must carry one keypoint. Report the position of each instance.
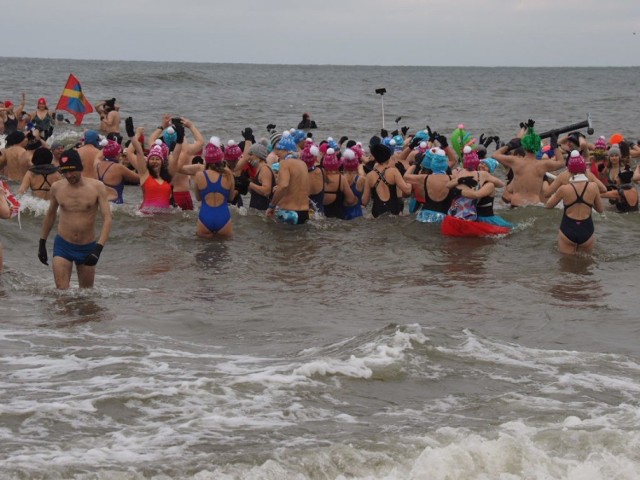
(358, 150)
(112, 149)
(155, 151)
(350, 161)
(309, 155)
(330, 161)
(232, 153)
(213, 153)
(470, 160)
(576, 163)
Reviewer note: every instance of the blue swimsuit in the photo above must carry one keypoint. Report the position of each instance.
(119, 188)
(214, 218)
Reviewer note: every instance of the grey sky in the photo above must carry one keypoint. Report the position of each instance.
(342, 32)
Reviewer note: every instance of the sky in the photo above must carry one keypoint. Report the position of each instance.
(533, 33)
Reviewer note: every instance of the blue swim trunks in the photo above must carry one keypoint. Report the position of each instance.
(71, 251)
(292, 217)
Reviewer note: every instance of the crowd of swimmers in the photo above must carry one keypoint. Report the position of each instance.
(292, 176)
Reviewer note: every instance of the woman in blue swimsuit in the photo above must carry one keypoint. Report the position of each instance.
(214, 186)
(579, 197)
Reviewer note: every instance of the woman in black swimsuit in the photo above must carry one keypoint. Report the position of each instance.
(382, 184)
(579, 197)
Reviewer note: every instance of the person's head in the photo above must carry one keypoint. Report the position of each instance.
(576, 163)
(41, 156)
(613, 155)
(381, 153)
(110, 104)
(286, 143)
(470, 160)
(305, 116)
(155, 161)
(439, 161)
(16, 138)
(8, 104)
(331, 162)
(213, 155)
(350, 161)
(57, 148)
(488, 165)
(232, 153)
(111, 150)
(71, 166)
(574, 140)
(257, 153)
(531, 142)
(42, 104)
(310, 155)
(91, 137)
(600, 149)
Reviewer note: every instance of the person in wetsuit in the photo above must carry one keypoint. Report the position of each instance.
(579, 197)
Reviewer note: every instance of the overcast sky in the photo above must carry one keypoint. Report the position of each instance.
(341, 32)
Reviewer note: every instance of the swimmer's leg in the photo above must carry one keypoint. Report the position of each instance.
(86, 275)
(62, 272)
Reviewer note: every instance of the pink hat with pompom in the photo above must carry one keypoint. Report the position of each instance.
(331, 161)
(350, 160)
(310, 155)
(213, 152)
(470, 160)
(112, 149)
(576, 163)
(232, 153)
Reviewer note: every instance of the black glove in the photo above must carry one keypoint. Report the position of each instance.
(242, 184)
(247, 134)
(404, 130)
(601, 167)
(497, 140)
(343, 139)
(530, 123)
(414, 142)
(94, 256)
(482, 140)
(513, 144)
(270, 127)
(42, 251)
(179, 128)
(468, 181)
(432, 135)
(553, 140)
(384, 133)
(128, 125)
(523, 125)
(442, 140)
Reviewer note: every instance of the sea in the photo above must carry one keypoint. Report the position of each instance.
(367, 349)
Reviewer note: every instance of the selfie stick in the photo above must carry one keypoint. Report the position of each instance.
(574, 126)
(382, 98)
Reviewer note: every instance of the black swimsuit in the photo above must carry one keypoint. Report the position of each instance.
(577, 231)
(441, 206)
(259, 201)
(335, 209)
(381, 206)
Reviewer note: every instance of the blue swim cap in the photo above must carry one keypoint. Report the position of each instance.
(169, 136)
(332, 143)
(287, 143)
(428, 158)
(439, 161)
(399, 142)
(298, 136)
(491, 163)
(422, 135)
(91, 137)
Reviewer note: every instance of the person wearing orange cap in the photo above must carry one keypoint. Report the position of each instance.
(42, 119)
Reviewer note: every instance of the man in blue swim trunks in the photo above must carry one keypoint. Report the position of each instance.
(79, 198)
